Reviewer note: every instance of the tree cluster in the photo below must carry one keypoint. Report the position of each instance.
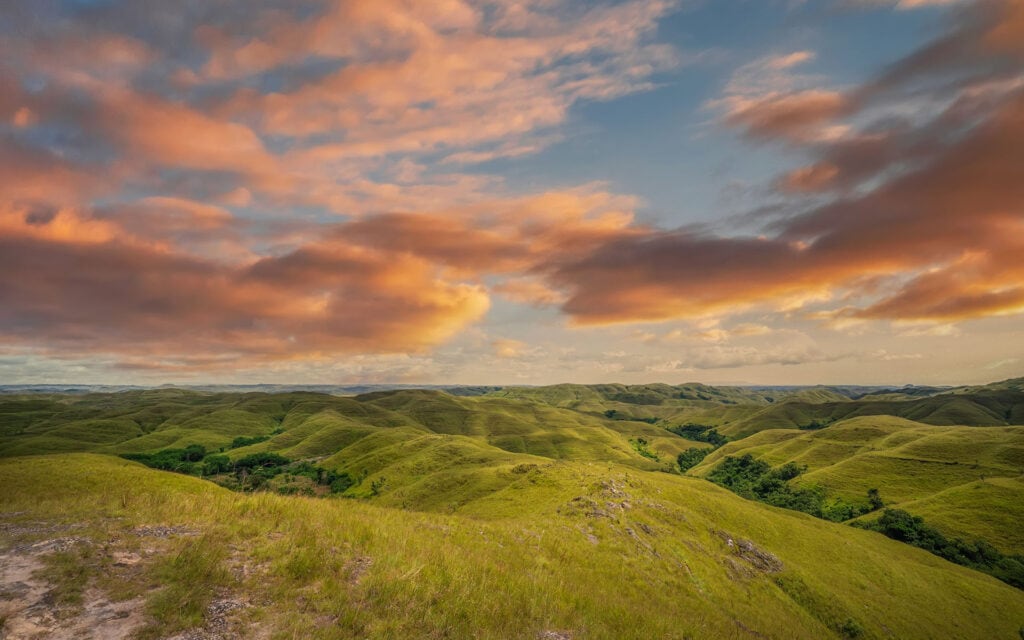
(757, 480)
(250, 472)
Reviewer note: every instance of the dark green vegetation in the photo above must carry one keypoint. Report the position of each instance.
(531, 512)
(965, 481)
(691, 458)
(248, 473)
(699, 433)
(756, 480)
(900, 525)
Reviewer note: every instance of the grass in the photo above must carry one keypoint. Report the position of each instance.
(555, 550)
(994, 406)
(963, 480)
(189, 577)
(525, 511)
(68, 572)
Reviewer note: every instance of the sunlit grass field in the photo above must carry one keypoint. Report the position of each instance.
(591, 550)
(547, 513)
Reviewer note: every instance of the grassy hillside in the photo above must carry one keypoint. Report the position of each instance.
(569, 550)
(312, 425)
(522, 512)
(963, 480)
(430, 449)
(985, 406)
(741, 411)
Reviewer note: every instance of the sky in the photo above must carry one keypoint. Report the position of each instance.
(511, 191)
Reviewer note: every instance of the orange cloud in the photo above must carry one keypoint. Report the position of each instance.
(439, 71)
(87, 286)
(168, 133)
(936, 237)
(797, 116)
(916, 217)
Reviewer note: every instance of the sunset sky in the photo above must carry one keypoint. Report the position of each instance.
(511, 191)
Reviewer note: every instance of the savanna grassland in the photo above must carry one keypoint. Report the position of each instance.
(571, 511)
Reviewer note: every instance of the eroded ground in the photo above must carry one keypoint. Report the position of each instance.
(62, 582)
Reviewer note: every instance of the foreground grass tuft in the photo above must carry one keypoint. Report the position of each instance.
(190, 577)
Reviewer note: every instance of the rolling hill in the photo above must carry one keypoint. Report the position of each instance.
(570, 550)
(534, 512)
(942, 473)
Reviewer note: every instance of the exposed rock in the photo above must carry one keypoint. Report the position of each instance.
(357, 568)
(160, 531)
(26, 604)
(219, 625)
(125, 558)
(759, 558)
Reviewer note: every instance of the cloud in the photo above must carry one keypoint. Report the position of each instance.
(90, 285)
(769, 99)
(402, 79)
(192, 286)
(797, 116)
(293, 185)
(507, 348)
(999, 364)
(935, 224)
(320, 104)
(529, 291)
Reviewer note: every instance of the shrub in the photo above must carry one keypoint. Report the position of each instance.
(243, 441)
(214, 464)
(341, 483)
(875, 500)
(699, 433)
(691, 458)
(193, 453)
(261, 460)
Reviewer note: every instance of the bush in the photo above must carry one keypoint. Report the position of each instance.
(215, 464)
(875, 500)
(242, 441)
(177, 460)
(699, 433)
(851, 629)
(261, 460)
(193, 453)
(755, 480)
(341, 483)
(691, 458)
(640, 446)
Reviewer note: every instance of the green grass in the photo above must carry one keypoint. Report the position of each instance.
(995, 406)
(189, 577)
(595, 550)
(990, 510)
(963, 480)
(68, 572)
(527, 510)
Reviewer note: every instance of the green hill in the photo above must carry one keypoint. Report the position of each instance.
(397, 437)
(981, 407)
(943, 473)
(541, 512)
(569, 550)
